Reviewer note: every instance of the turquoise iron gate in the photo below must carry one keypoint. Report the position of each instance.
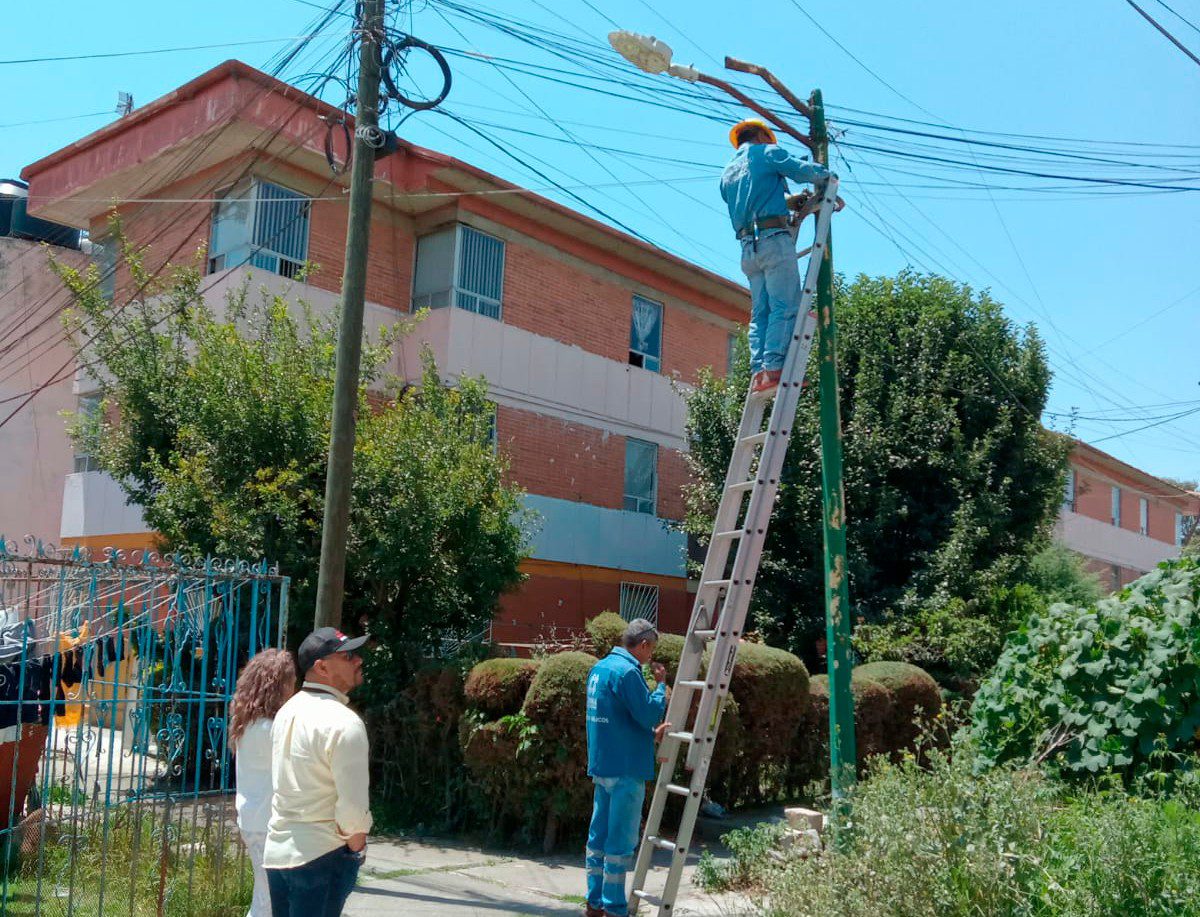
(116, 778)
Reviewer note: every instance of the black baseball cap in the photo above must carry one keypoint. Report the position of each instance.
(325, 641)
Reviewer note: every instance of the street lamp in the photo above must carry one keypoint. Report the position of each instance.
(649, 54)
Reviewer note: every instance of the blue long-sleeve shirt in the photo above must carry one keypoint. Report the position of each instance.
(621, 716)
(754, 184)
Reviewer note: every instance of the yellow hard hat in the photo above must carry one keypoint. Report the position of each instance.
(749, 122)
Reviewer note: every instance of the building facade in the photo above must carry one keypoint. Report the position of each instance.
(35, 452)
(1122, 520)
(584, 333)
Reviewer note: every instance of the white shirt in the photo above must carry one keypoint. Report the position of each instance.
(319, 775)
(254, 777)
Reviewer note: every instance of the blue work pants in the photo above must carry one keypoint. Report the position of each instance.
(612, 840)
(770, 266)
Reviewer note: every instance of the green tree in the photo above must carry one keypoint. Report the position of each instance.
(950, 477)
(218, 427)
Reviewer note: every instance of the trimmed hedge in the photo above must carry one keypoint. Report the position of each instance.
(916, 700)
(668, 651)
(497, 687)
(605, 631)
(887, 699)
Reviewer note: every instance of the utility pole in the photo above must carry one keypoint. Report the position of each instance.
(367, 139)
(842, 752)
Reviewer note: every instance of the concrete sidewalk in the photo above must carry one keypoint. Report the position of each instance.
(448, 879)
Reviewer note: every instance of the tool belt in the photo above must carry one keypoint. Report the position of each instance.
(759, 226)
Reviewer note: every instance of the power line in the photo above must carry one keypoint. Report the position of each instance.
(92, 114)
(1171, 38)
(1179, 16)
(143, 53)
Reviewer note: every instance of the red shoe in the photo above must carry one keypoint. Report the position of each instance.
(593, 912)
(766, 381)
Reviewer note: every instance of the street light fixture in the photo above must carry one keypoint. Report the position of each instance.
(649, 54)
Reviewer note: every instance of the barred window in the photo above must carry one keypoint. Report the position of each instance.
(639, 600)
(261, 224)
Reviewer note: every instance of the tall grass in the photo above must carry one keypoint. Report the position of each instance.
(945, 842)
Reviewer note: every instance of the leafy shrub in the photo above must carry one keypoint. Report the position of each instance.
(668, 651)
(556, 753)
(1101, 686)
(749, 863)
(943, 841)
(605, 631)
(490, 752)
(953, 639)
(1060, 575)
(809, 759)
(771, 689)
(915, 700)
(496, 687)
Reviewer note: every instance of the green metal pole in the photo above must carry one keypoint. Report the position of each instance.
(332, 575)
(842, 757)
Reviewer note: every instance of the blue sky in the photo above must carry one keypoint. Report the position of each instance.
(1110, 281)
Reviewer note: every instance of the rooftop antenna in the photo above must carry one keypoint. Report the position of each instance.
(124, 103)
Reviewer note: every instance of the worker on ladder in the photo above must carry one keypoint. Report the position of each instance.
(754, 187)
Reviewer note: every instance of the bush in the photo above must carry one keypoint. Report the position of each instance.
(915, 700)
(944, 842)
(750, 862)
(771, 689)
(809, 759)
(605, 631)
(496, 687)
(1100, 686)
(556, 752)
(668, 651)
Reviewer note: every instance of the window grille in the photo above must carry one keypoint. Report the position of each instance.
(261, 224)
(639, 600)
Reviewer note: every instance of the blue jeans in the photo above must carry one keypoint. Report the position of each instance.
(770, 266)
(319, 888)
(612, 840)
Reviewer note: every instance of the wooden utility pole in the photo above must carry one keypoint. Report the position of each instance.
(367, 139)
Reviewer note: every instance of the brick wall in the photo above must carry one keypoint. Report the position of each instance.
(1093, 498)
(569, 461)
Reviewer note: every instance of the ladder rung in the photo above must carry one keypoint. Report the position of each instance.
(719, 583)
(704, 634)
(732, 533)
(743, 486)
(694, 685)
(663, 843)
(682, 736)
(678, 790)
(756, 440)
(648, 898)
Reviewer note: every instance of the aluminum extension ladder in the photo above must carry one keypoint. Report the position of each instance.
(723, 598)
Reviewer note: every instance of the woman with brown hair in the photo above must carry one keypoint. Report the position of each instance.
(266, 682)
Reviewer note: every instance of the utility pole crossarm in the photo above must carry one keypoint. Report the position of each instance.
(732, 63)
(756, 107)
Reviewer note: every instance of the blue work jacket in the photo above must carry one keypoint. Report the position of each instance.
(754, 184)
(621, 715)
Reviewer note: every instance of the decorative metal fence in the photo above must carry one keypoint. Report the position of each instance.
(116, 777)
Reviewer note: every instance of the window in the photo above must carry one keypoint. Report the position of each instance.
(1069, 491)
(731, 356)
(1116, 506)
(1115, 577)
(1184, 527)
(462, 267)
(261, 224)
(1143, 515)
(88, 410)
(639, 600)
(645, 334)
(105, 256)
(641, 476)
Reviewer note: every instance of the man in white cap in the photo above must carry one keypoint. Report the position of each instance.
(320, 808)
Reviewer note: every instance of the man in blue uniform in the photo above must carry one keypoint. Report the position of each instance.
(624, 717)
(754, 188)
